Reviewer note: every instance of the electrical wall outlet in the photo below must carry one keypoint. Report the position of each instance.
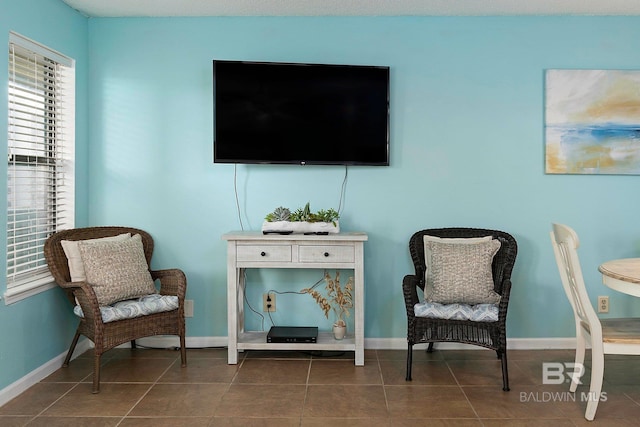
(188, 308)
(603, 304)
(269, 302)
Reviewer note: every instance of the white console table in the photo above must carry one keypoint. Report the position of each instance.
(252, 249)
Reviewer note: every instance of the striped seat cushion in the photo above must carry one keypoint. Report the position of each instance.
(476, 313)
(128, 309)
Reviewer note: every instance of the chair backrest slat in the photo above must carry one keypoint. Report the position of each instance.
(565, 247)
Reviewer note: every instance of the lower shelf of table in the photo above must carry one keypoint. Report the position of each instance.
(326, 341)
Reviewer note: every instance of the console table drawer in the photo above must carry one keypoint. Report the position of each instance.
(266, 253)
(327, 253)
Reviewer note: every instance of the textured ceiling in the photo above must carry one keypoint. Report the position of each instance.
(119, 8)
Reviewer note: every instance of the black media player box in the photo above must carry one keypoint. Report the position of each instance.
(293, 334)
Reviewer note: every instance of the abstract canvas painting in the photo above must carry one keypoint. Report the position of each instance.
(592, 122)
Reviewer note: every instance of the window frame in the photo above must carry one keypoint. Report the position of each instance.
(52, 162)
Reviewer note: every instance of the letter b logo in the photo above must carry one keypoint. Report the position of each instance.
(554, 372)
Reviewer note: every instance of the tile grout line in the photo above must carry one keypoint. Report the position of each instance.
(306, 392)
(77, 384)
(146, 392)
(239, 365)
(384, 386)
(473, 408)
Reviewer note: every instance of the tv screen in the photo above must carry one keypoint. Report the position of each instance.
(284, 113)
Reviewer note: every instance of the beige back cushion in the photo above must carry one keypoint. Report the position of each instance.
(117, 270)
(76, 268)
(459, 270)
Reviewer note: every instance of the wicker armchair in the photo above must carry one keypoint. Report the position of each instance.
(489, 334)
(106, 336)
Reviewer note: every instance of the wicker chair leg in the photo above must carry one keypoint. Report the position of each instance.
(409, 361)
(96, 374)
(133, 343)
(71, 348)
(183, 351)
(505, 372)
(430, 348)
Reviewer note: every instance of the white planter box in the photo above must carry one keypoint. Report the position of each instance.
(300, 227)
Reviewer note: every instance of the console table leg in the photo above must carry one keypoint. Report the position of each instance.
(233, 280)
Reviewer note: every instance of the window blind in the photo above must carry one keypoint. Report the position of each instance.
(40, 151)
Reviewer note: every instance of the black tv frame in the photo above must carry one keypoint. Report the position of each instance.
(257, 85)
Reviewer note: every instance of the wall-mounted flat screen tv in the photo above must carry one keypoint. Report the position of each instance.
(287, 113)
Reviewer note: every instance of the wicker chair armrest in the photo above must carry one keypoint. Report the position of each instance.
(71, 285)
(172, 282)
(504, 300)
(410, 284)
(86, 298)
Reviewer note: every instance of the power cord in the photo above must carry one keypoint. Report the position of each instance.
(294, 292)
(235, 190)
(270, 291)
(343, 190)
(269, 308)
(249, 304)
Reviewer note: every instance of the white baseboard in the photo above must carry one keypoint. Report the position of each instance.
(171, 341)
(512, 344)
(374, 343)
(50, 367)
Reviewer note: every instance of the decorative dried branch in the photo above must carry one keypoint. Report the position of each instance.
(338, 300)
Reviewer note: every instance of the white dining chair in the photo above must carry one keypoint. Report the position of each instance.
(606, 336)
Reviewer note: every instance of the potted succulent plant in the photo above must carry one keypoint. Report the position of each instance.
(338, 299)
(283, 221)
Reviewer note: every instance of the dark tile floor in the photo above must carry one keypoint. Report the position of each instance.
(146, 387)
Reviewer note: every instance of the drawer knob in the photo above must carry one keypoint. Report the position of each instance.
(263, 253)
(326, 254)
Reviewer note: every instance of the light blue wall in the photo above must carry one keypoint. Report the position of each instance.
(467, 102)
(36, 330)
(467, 149)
